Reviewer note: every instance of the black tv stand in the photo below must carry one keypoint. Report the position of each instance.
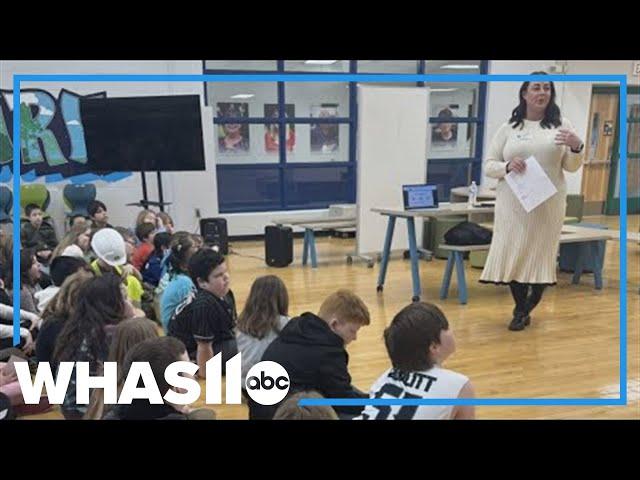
(145, 202)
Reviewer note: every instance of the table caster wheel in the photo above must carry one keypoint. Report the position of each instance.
(379, 288)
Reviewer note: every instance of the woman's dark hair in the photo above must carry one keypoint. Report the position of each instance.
(267, 301)
(100, 303)
(178, 261)
(412, 331)
(27, 259)
(551, 114)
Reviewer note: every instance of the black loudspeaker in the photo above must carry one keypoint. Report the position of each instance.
(214, 232)
(278, 246)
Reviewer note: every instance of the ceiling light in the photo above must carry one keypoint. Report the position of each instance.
(459, 67)
(320, 62)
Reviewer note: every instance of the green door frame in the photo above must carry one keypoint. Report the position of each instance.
(612, 205)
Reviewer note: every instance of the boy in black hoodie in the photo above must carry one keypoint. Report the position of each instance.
(38, 234)
(311, 348)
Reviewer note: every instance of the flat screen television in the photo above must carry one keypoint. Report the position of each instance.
(135, 134)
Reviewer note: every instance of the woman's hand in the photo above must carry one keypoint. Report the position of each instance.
(517, 165)
(29, 344)
(569, 138)
(36, 323)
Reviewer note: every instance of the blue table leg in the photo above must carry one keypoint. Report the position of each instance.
(385, 252)
(580, 261)
(413, 251)
(598, 249)
(305, 248)
(312, 248)
(462, 282)
(446, 281)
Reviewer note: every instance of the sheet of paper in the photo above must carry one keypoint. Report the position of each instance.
(532, 187)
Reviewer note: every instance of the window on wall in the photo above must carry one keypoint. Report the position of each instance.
(327, 138)
(285, 146)
(235, 105)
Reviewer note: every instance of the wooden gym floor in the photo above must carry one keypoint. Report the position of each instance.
(571, 349)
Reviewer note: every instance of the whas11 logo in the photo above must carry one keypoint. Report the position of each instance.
(267, 383)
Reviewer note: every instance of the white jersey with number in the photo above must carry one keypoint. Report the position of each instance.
(433, 383)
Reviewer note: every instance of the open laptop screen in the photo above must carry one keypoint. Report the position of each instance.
(420, 196)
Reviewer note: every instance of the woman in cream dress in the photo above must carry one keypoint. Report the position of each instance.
(523, 252)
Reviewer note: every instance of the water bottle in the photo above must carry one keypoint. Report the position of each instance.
(473, 194)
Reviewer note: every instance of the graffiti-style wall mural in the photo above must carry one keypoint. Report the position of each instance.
(52, 142)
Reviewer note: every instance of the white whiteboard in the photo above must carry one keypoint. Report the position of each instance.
(392, 151)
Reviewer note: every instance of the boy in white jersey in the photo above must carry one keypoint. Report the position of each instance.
(418, 341)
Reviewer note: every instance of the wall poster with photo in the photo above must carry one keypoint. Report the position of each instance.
(272, 130)
(450, 139)
(233, 138)
(325, 137)
(444, 134)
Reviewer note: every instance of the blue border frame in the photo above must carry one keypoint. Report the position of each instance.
(620, 79)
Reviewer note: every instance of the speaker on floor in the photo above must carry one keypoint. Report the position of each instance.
(214, 232)
(278, 246)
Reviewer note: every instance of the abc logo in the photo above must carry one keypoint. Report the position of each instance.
(267, 383)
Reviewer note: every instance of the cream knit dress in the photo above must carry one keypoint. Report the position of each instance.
(524, 247)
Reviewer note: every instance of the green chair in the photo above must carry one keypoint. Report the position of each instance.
(35, 193)
(575, 207)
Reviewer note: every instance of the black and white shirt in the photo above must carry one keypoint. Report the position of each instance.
(433, 383)
(204, 317)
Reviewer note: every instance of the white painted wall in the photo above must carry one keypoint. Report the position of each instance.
(604, 67)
